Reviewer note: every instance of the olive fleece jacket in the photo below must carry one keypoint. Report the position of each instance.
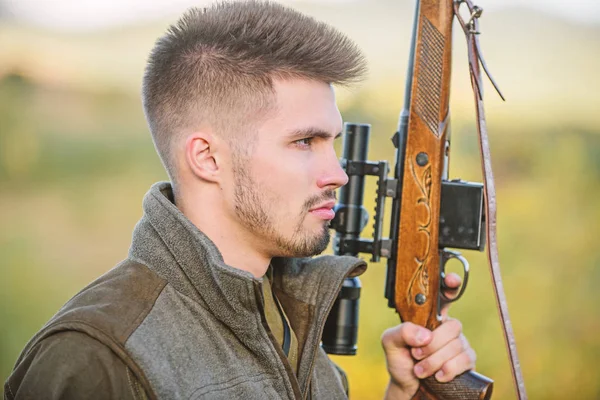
(173, 321)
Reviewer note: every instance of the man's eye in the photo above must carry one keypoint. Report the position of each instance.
(306, 142)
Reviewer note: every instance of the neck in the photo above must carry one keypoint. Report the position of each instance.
(205, 210)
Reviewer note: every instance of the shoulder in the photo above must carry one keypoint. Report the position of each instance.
(112, 306)
(89, 332)
(72, 365)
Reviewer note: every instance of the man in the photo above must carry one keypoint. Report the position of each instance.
(218, 297)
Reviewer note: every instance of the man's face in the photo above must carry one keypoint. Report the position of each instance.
(284, 189)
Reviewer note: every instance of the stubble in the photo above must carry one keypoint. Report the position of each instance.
(252, 207)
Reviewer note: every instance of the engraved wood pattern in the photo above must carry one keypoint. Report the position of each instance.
(419, 282)
(429, 91)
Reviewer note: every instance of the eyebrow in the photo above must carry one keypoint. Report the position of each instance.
(312, 133)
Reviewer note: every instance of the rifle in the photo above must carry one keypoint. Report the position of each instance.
(430, 213)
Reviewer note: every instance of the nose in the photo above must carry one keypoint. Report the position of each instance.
(333, 175)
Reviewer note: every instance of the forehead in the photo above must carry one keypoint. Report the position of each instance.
(301, 104)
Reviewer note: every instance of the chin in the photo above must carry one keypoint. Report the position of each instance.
(307, 246)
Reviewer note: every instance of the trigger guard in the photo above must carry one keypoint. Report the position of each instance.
(447, 255)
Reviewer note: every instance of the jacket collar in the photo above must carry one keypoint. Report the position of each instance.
(167, 242)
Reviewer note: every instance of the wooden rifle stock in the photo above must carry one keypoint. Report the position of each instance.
(423, 166)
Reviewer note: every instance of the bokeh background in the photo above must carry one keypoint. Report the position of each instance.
(76, 159)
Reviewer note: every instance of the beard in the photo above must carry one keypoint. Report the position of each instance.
(251, 205)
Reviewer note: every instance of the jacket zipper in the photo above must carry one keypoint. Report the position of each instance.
(287, 366)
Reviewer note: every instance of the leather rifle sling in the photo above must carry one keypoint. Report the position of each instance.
(470, 29)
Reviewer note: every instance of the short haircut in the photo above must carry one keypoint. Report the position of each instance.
(216, 66)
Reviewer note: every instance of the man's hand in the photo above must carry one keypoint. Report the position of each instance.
(413, 352)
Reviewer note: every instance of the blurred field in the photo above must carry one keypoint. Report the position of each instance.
(76, 160)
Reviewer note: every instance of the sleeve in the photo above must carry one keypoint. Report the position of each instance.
(72, 365)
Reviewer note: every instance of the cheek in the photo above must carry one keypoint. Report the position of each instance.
(286, 168)
(285, 178)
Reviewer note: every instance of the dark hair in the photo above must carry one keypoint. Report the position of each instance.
(216, 66)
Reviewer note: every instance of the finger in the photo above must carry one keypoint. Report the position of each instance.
(452, 280)
(452, 284)
(463, 362)
(405, 335)
(437, 360)
(445, 333)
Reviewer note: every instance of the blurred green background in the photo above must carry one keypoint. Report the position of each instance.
(76, 159)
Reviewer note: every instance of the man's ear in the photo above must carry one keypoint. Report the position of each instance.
(200, 156)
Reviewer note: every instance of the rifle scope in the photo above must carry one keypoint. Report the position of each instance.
(341, 328)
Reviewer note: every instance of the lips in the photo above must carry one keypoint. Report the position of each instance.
(324, 210)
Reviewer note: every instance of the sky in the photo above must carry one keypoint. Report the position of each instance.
(96, 14)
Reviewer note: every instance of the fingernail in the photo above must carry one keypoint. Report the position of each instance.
(417, 352)
(418, 371)
(439, 375)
